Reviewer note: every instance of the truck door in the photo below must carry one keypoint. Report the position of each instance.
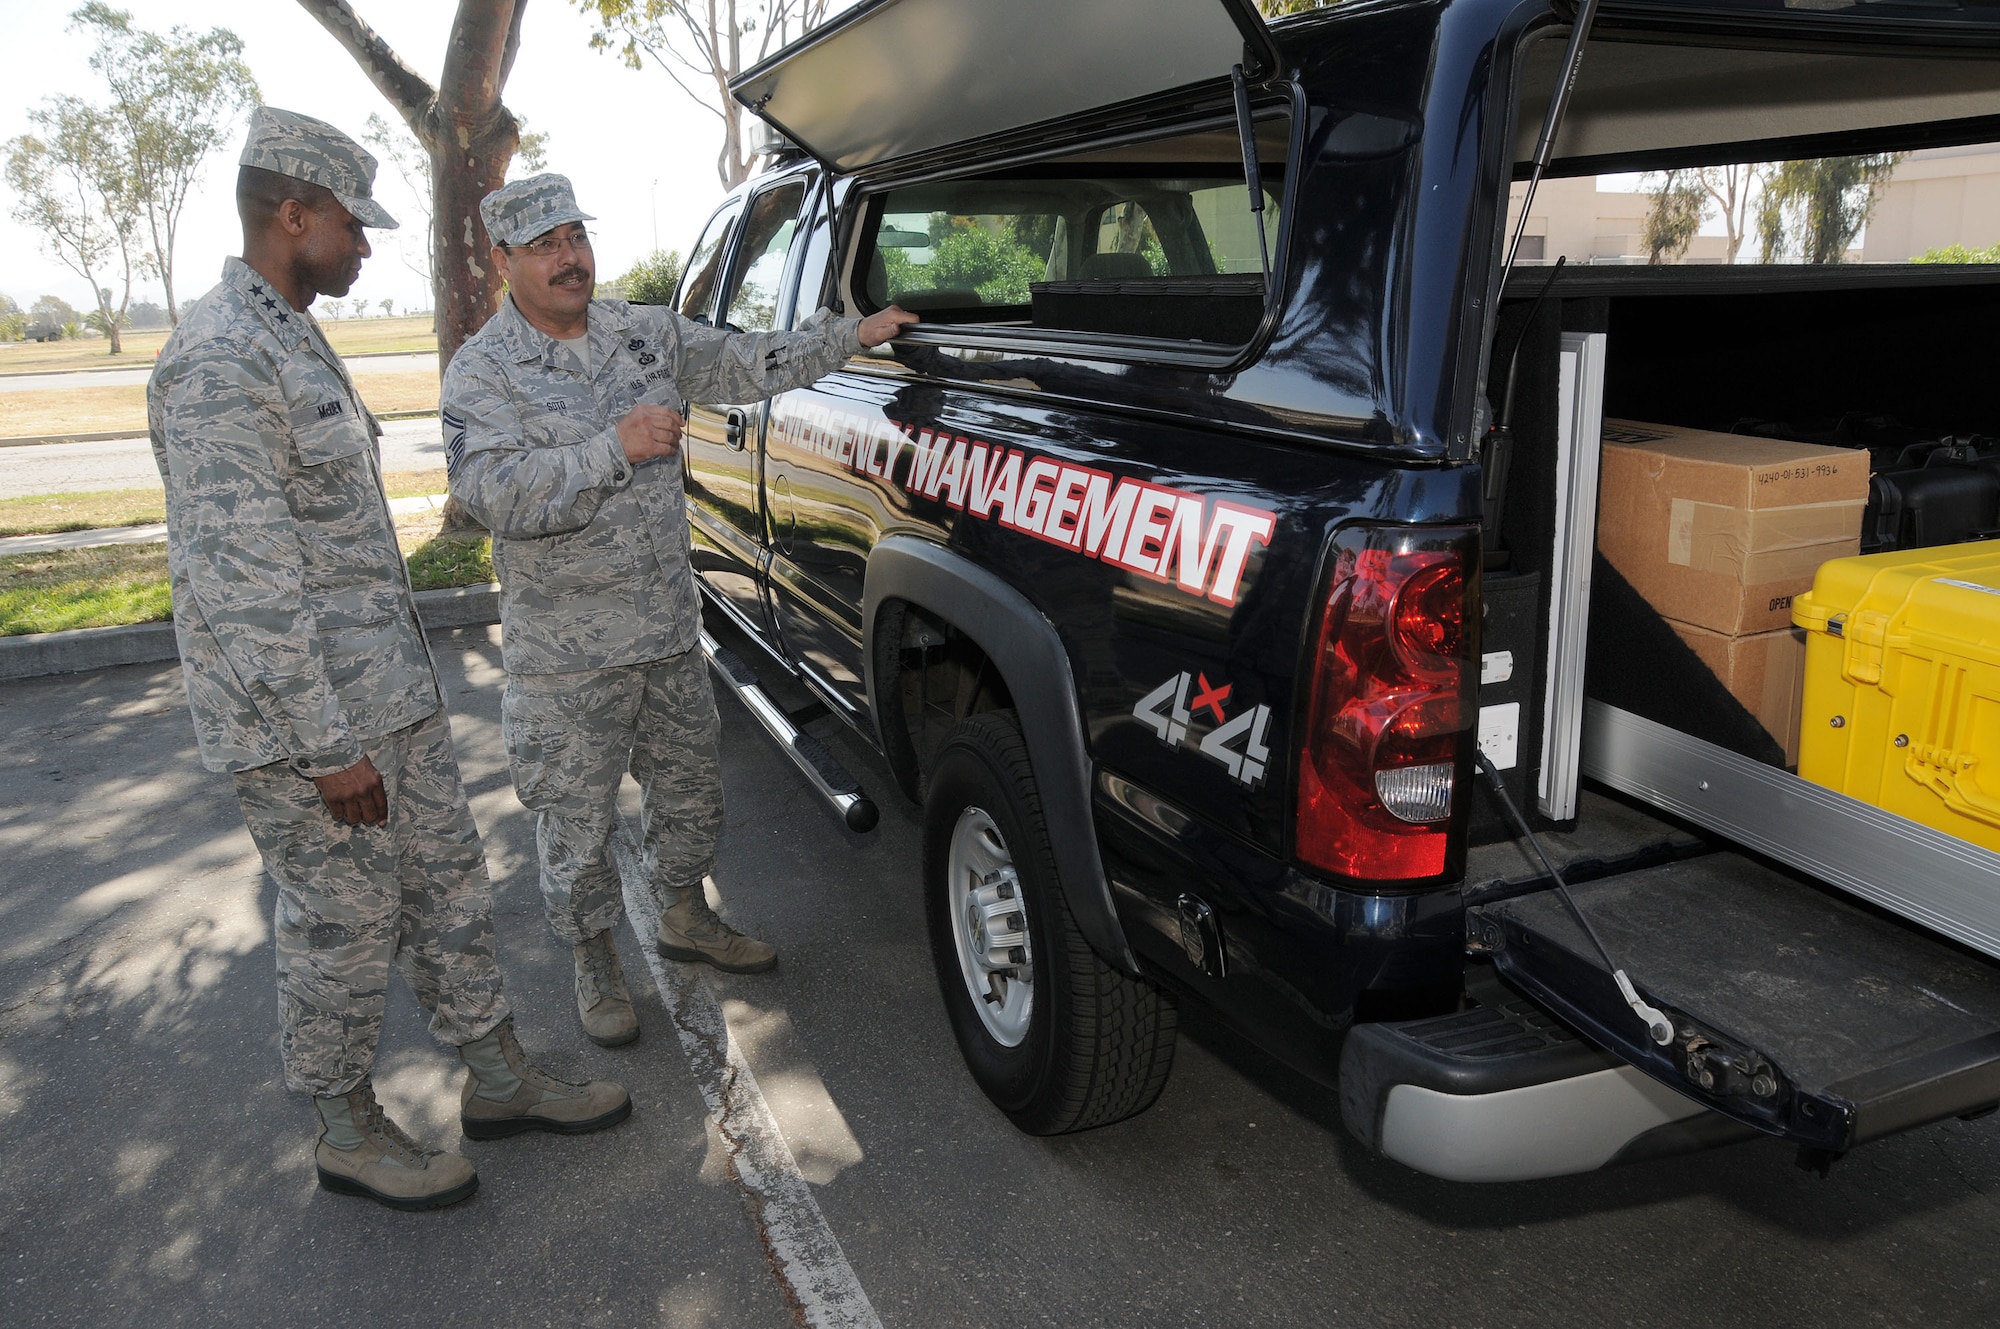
(725, 440)
(829, 500)
(721, 449)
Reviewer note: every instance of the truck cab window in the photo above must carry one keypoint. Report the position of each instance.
(704, 269)
(772, 224)
(1156, 240)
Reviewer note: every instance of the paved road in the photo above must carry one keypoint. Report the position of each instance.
(154, 1172)
(101, 378)
(127, 463)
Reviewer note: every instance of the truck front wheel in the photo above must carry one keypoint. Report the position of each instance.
(1059, 1040)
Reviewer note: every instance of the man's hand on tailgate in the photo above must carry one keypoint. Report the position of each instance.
(883, 324)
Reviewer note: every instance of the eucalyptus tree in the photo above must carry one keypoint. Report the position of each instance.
(701, 45)
(73, 188)
(468, 136)
(175, 98)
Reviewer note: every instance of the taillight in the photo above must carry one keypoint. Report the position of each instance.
(1389, 704)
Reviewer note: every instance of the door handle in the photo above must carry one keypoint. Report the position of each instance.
(734, 424)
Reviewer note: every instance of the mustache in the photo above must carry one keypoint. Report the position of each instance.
(573, 270)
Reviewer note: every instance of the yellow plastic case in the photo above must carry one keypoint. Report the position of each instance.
(1902, 690)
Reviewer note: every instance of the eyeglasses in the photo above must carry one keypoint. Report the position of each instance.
(548, 246)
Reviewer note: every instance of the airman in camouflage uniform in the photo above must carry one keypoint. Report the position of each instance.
(562, 426)
(309, 679)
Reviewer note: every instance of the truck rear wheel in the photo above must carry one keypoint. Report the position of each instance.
(1058, 1039)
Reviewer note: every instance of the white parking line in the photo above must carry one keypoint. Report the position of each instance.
(803, 1253)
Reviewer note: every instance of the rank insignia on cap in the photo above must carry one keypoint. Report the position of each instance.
(636, 344)
(648, 358)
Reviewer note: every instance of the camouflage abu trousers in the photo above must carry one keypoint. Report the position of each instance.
(570, 739)
(352, 900)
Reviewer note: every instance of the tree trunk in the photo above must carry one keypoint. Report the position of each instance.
(109, 317)
(470, 137)
(467, 164)
(467, 286)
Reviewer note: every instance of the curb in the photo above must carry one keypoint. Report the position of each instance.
(82, 649)
(37, 440)
(42, 440)
(146, 363)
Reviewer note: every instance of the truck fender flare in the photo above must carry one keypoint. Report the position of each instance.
(1023, 644)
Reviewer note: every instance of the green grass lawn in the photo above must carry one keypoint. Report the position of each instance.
(115, 584)
(83, 588)
(46, 514)
(445, 561)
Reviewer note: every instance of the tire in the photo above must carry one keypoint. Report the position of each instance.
(1055, 1037)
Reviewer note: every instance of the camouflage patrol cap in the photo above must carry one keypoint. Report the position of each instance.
(314, 151)
(516, 213)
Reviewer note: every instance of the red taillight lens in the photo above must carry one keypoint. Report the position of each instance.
(1389, 705)
(1428, 625)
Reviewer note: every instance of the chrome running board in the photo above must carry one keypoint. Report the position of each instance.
(821, 769)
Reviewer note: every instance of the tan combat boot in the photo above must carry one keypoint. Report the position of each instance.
(602, 1000)
(689, 930)
(504, 1095)
(362, 1152)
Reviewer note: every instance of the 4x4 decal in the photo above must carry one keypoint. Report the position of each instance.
(1171, 713)
(1168, 535)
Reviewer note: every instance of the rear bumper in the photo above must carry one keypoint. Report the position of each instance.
(1504, 1093)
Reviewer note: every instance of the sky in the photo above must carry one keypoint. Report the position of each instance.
(641, 153)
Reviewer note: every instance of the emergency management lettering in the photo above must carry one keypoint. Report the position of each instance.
(1167, 534)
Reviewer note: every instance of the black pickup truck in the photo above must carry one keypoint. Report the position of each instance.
(1237, 492)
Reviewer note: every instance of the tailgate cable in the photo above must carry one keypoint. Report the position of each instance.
(1655, 1020)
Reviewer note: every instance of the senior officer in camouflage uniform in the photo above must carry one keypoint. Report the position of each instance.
(561, 431)
(309, 679)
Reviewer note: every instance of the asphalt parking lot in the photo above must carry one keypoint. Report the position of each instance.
(154, 1171)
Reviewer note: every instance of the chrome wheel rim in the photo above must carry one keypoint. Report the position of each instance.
(989, 928)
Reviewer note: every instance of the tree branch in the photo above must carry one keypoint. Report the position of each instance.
(406, 90)
(694, 96)
(484, 37)
(513, 42)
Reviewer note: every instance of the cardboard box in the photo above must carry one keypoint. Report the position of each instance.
(1722, 530)
(1765, 671)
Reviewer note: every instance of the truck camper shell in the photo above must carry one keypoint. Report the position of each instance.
(1830, 972)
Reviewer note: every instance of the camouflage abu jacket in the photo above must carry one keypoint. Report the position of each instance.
(592, 552)
(292, 606)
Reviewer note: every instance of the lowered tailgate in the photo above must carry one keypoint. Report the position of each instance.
(1794, 1011)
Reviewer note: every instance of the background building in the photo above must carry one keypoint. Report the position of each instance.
(1935, 198)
